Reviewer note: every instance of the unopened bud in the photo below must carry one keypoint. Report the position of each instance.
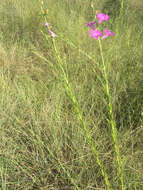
(47, 11)
(92, 5)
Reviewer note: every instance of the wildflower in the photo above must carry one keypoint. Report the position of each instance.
(91, 24)
(47, 24)
(102, 17)
(107, 33)
(95, 34)
(52, 33)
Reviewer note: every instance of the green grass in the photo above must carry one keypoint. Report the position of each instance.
(71, 115)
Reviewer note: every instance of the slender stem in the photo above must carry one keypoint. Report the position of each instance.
(112, 120)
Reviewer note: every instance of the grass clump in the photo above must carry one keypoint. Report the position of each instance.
(70, 107)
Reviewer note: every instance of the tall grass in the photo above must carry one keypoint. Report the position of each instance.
(70, 107)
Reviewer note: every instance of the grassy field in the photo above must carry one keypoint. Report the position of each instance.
(71, 115)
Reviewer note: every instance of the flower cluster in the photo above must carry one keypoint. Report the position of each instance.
(95, 33)
(52, 34)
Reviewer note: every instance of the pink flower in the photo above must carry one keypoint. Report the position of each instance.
(95, 34)
(107, 33)
(102, 17)
(47, 24)
(52, 33)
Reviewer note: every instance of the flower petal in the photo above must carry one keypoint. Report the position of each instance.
(95, 34)
(52, 33)
(102, 17)
(47, 24)
(107, 33)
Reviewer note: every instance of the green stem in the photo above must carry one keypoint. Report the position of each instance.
(112, 120)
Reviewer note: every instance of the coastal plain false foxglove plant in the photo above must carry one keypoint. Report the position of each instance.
(98, 35)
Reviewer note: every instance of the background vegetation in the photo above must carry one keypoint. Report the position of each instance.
(42, 143)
